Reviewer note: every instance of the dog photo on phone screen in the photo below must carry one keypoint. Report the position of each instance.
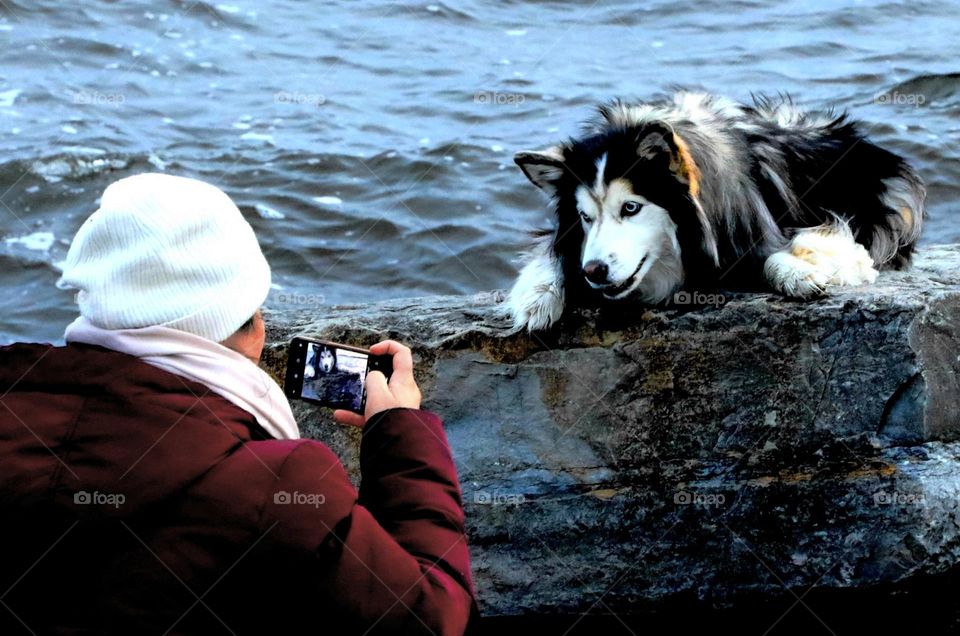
(335, 376)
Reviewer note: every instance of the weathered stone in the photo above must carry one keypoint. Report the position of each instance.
(633, 457)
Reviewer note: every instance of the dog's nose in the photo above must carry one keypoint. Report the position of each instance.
(596, 272)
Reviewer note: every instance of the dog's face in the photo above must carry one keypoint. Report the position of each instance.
(621, 195)
(625, 234)
(327, 360)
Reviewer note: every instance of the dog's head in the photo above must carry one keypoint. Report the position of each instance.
(328, 360)
(627, 201)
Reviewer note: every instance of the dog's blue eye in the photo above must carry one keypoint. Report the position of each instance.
(630, 208)
(586, 219)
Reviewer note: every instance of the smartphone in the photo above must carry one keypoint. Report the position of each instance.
(331, 374)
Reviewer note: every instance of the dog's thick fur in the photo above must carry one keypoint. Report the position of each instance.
(697, 191)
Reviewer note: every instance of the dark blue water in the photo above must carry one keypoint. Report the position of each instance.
(370, 143)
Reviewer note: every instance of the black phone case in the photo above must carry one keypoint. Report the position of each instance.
(296, 359)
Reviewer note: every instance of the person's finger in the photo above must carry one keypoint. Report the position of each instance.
(402, 362)
(386, 346)
(348, 418)
(402, 356)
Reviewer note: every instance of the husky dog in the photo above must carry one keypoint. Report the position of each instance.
(697, 191)
(323, 360)
(327, 360)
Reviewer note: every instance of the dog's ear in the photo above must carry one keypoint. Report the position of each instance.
(658, 140)
(544, 168)
(655, 141)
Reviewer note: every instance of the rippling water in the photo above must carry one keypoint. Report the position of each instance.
(370, 143)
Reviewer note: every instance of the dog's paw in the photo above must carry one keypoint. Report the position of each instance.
(818, 259)
(537, 298)
(794, 277)
(811, 266)
(535, 309)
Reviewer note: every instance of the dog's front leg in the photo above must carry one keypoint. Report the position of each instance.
(537, 298)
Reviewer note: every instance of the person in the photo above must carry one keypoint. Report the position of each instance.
(152, 476)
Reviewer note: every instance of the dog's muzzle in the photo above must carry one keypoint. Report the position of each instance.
(612, 291)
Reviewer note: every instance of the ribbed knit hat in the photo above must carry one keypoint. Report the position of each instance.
(169, 251)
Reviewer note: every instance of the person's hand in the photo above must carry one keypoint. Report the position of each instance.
(401, 392)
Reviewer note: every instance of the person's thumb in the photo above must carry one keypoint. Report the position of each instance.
(379, 397)
(376, 379)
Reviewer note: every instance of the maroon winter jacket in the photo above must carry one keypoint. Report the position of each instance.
(133, 501)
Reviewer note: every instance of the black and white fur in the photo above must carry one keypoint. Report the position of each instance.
(698, 191)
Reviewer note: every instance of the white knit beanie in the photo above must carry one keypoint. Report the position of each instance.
(168, 251)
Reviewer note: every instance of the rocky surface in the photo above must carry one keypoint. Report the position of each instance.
(751, 448)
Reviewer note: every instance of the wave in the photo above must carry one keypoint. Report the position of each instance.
(13, 8)
(226, 12)
(928, 88)
(75, 163)
(445, 10)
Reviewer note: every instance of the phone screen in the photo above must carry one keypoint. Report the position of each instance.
(330, 374)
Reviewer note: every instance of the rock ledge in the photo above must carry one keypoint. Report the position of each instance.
(721, 453)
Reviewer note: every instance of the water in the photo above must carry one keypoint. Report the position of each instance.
(370, 143)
